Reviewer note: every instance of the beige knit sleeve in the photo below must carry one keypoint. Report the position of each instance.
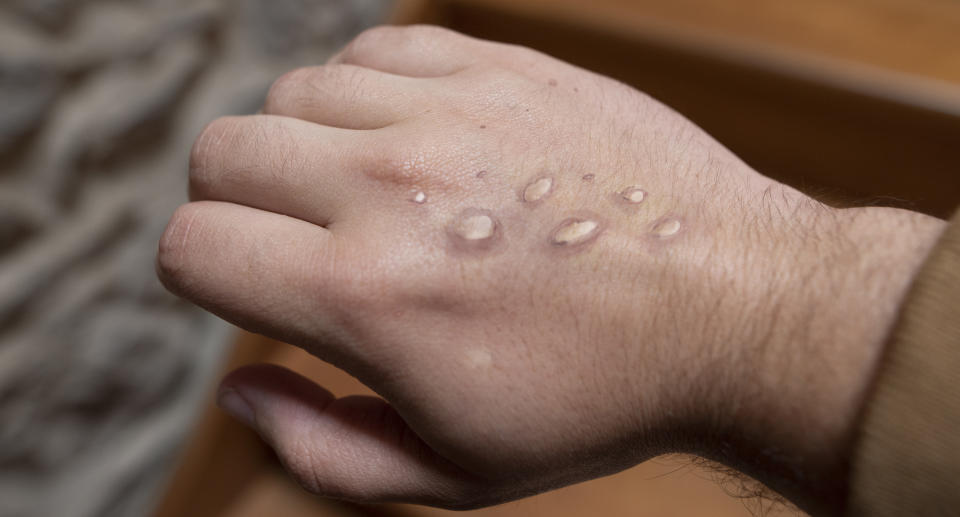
(907, 458)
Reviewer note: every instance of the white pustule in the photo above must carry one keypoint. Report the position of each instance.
(633, 195)
(574, 231)
(475, 227)
(537, 190)
(667, 228)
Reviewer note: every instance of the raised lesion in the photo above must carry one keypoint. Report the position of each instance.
(537, 190)
(666, 227)
(575, 231)
(474, 229)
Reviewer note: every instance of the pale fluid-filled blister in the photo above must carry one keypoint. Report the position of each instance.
(633, 195)
(537, 190)
(667, 228)
(474, 230)
(574, 231)
(475, 227)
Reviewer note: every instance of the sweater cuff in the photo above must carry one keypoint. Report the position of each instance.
(907, 458)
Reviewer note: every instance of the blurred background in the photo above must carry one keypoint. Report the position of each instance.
(106, 380)
(102, 374)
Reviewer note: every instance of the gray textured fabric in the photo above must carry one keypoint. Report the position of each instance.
(101, 370)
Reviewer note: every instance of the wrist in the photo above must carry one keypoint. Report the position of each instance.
(833, 286)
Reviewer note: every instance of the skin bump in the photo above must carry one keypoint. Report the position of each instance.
(666, 228)
(537, 190)
(575, 231)
(633, 195)
(475, 227)
(474, 230)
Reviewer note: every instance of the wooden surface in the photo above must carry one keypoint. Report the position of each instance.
(914, 37)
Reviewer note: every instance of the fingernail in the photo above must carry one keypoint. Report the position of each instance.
(230, 401)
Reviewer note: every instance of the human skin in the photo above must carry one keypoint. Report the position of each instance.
(724, 314)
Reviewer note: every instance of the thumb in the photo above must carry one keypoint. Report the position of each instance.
(355, 448)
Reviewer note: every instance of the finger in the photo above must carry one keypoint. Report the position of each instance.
(415, 51)
(266, 272)
(347, 96)
(277, 164)
(355, 448)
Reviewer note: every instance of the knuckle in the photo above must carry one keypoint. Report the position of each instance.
(342, 82)
(212, 140)
(284, 87)
(376, 39)
(173, 252)
(215, 139)
(314, 88)
(426, 32)
(370, 40)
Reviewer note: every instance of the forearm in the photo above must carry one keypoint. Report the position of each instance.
(834, 295)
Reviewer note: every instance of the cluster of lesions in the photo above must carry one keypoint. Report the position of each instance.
(480, 229)
(579, 230)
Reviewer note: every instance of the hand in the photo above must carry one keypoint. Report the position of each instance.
(546, 274)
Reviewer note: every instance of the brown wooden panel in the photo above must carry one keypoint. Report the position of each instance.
(916, 37)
